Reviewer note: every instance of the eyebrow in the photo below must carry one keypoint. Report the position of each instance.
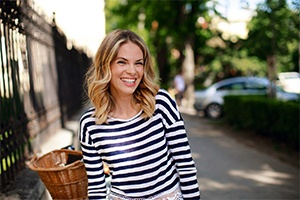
(141, 59)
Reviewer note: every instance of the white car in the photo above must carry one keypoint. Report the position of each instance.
(289, 81)
(211, 99)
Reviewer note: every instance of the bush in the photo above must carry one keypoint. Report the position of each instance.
(268, 117)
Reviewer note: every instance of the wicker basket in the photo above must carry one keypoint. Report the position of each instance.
(63, 173)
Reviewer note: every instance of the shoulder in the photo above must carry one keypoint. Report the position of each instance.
(164, 95)
(166, 107)
(164, 101)
(87, 116)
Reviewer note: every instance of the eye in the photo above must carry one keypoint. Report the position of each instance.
(121, 62)
(139, 63)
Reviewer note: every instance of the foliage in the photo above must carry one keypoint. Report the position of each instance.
(274, 31)
(167, 26)
(269, 117)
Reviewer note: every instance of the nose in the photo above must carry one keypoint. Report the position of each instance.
(131, 69)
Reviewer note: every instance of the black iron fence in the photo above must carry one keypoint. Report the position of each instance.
(40, 83)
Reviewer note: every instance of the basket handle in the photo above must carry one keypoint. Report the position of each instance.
(31, 163)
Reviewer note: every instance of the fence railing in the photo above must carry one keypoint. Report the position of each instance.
(40, 83)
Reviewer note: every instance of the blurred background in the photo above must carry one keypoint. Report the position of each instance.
(47, 46)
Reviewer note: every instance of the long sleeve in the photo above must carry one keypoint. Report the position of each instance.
(93, 164)
(180, 150)
(179, 147)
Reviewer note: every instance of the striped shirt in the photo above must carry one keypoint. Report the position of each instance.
(146, 157)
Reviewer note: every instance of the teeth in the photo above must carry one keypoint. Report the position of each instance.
(129, 80)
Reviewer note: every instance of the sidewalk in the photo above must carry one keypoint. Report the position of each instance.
(28, 185)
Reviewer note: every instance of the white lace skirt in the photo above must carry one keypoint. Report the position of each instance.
(175, 195)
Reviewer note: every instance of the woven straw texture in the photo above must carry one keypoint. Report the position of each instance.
(63, 174)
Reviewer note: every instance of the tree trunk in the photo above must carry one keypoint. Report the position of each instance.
(188, 72)
(162, 63)
(272, 74)
(299, 51)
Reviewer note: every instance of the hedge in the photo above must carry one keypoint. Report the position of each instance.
(266, 116)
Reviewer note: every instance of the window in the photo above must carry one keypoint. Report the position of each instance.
(255, 86)
(232, 86)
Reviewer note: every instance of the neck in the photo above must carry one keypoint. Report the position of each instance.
(125, 108)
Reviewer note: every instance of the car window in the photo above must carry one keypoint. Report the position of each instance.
(233, 86)
(255, 86)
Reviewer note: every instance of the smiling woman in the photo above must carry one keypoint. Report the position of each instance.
(127, 71)
(134, 128)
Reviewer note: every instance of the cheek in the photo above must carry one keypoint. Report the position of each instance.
(141, 71)
(115, 71)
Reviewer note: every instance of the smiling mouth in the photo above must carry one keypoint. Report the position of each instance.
(128, 80)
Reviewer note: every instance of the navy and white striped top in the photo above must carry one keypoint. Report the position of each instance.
(145, 157)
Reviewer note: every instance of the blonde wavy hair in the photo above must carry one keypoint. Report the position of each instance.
(98, 76)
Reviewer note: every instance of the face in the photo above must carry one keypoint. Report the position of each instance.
(127, 70)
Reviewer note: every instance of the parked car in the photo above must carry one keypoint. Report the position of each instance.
(211, 99)
(289, 81)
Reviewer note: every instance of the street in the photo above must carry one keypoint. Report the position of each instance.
(229, 169)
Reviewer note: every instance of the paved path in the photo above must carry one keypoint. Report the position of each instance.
(228, 169)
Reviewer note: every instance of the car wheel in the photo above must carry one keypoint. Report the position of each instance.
(213, 111)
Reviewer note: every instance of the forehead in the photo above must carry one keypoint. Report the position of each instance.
(130, 49)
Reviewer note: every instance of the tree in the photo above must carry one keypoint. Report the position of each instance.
(273, 34)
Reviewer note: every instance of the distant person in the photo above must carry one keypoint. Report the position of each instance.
(179, 85)
(134, 127)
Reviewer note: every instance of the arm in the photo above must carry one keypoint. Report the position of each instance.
(93, 164)
(179, 147)
(180, 150)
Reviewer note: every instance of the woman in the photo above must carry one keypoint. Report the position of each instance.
(134, 127)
